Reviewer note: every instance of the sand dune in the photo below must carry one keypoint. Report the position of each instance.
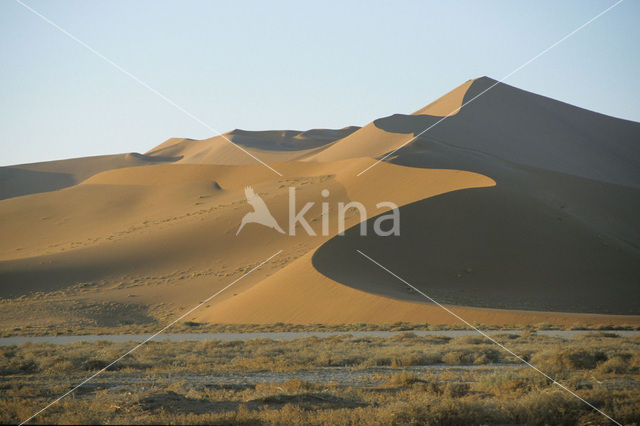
(52, 175)
(283, 297)
(268, 146)
(175, 224)
(313, 145)
(369, 141)
(560, 226)
(181, 215)
(517, 207)
(531, 130)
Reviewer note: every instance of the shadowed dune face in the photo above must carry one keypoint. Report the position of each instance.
(491, 248)
(16, 181)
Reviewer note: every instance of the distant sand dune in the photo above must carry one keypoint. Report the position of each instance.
(268, 146)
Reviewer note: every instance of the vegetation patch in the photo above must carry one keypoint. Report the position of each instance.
(402, 379)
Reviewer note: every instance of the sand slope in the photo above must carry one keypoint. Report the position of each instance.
(531, 130)
(449, 104)
(52, 175)
(318, 300)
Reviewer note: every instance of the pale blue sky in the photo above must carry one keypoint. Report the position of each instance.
(287, 65)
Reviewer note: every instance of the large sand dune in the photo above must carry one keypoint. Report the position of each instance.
(560, 226)
(515, 206)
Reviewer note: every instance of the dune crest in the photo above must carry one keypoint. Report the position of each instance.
(447, 105)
